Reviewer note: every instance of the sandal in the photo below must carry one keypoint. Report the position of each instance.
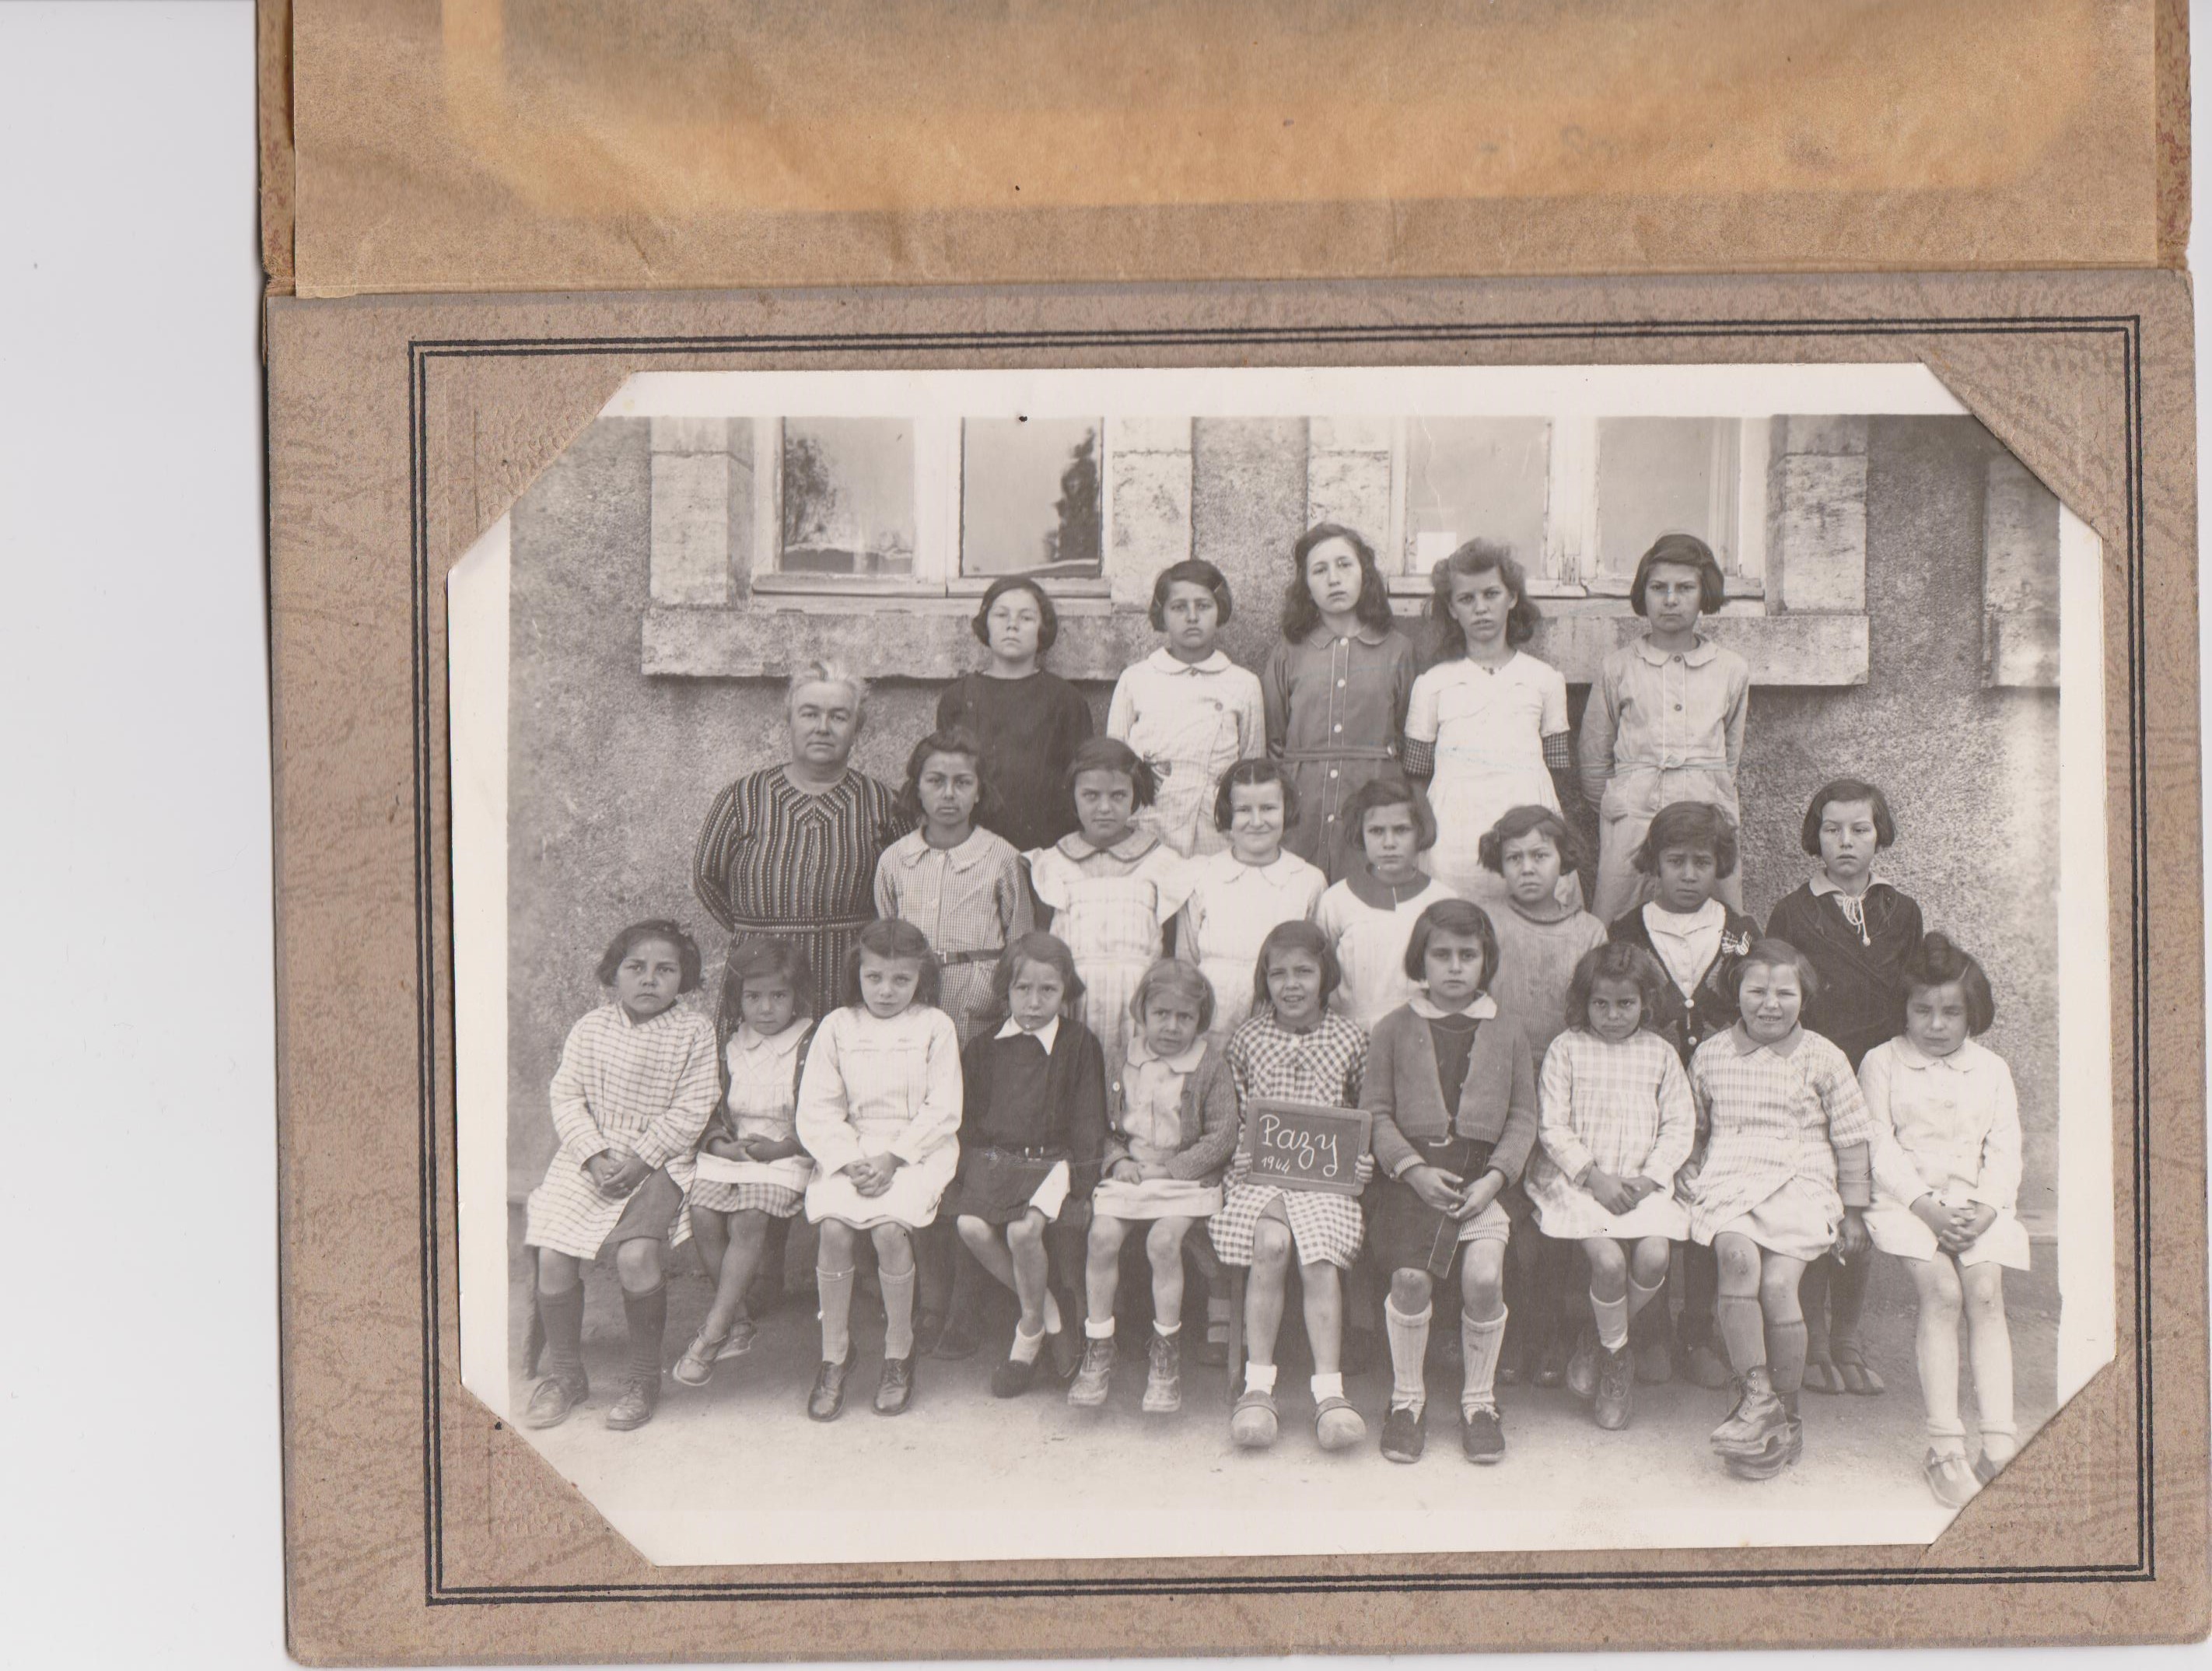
(1851, 1365)
(1821, 1376)
(696, 1368)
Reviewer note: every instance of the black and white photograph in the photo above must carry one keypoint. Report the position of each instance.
(1169, 963)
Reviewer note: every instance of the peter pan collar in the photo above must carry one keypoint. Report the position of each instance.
(911, 849)
(1369, 889)
(1283, 870)
(1187, 1062)
(1165, 660)
(1785, 1046)
(1130, 848)
(1823, 884)
(1909, 1054)
(1697, 655)
(1044, 1035)
(774, 1044)
(1483, 1008)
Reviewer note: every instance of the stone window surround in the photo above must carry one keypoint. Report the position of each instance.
(1797, 609)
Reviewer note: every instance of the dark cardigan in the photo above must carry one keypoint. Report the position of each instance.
(1497, 1099)
(1210, 1128)
(1685, 1022)
(1861, 999)
(1074, 1112)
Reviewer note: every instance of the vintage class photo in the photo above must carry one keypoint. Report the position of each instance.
(1245, 962)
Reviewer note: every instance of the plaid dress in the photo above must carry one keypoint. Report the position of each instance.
(1109, 905)
(763, 1075)
(970, 901)
(1623, 1107)
(648, 1087)
(1774, 1115)
(1323, 1064)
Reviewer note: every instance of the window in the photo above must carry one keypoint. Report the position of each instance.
(845, 498)
(1031, 497)
(1474, 478)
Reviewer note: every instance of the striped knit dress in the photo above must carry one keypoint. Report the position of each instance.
(773, 860)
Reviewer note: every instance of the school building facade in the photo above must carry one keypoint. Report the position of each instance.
(1893, 583)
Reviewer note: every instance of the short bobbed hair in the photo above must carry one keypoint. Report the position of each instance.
(1111, 754)
(953, 739)
(1296, 935)
(1388, 790)
(892, 937)
(1529, 821)
(1301, 614)
(1616, 960)
(1846, 789)
(1048, 616)
(1767, 952)
(1249, 775)
(828, 671)
(1191, 571)
(1689, 824)
(1034, 947)
(1937, 962)
(1172, 975)
(1682, 551)
(1478, 556)
(1451, 916)
(764, 957)
(652, 928)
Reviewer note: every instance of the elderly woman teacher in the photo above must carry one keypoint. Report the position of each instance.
(790, 851)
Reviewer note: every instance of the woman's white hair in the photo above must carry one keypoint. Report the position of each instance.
(826, 671)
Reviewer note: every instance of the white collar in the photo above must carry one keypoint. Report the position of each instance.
(911, 849)
(1697, 655)
(1044, 1035)
(1135, 845)
(1165, 660)
(1481, 1007)
(779, 1045)
(1284, 870)
(1141, 1052)
(1682, 924)
(1910, 1054)
(1822, 883)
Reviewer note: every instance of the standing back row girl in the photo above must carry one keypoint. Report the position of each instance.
(1030, 722)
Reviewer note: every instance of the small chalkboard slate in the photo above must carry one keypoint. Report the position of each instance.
(1305, 1146)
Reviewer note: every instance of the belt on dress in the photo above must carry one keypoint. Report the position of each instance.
(795, 925)
(980, 955)
(1346, 751)
(1023, 1154)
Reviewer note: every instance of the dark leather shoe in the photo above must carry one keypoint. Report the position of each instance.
(826, 1402)
(896, 1390)
(1011, 1379)
(641, 1397)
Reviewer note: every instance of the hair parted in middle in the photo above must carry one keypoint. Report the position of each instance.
(1478, 556)
(1251, 773)
(652, 928)
(1938, 961)
(1191, 571)
(1173, 974)
(1689, 824)
(1527, 820)
(1048, 616)
(1034, 947)
(953, 739)
(1767, 952)
(1450, 917)
(1615, 960)
(1111, 754)
(888, 937)
(1301, 614)
(1683, 551)
(1846, 789)
(1388, 790)
(1296, 935)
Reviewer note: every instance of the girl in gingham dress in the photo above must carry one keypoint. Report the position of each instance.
(1292, 1048)
(749, 1168)
(1784, 1179)
(635, 1087)
(1110, 889)
(1617, 1124)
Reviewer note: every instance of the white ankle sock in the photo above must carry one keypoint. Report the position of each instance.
(1026, 1345)
(1167, 1331)
(1098, 1331)
(1258, 1377)
(1328, 1385)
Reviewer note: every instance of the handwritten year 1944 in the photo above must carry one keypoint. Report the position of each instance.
(1285, 1147)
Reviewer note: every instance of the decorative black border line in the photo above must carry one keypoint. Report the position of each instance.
(2127, 328)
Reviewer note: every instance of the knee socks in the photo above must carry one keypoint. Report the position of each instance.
(646, 1313)
(1786, 1359)
(563, 1317)
(1409, 1347)
(836, 1288)
(1743, 1331)
(1479, 1343)
(898, 1311)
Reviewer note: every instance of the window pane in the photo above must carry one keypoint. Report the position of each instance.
(847, 497)
(1029, 497)
(1475, 478)
(1664, 475)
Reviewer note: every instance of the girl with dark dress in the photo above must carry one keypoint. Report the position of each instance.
(1856, 931)
(1030, 722)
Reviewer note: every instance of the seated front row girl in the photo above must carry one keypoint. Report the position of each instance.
(1452, 1089)
(879, 1107)
(1029, 1140)
(1293, 1048)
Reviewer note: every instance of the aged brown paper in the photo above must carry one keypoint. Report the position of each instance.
(419, 1528)
(519, 144)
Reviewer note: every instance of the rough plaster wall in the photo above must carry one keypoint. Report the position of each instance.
(613, 772)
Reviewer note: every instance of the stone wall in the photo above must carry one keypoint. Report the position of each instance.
(617, 745)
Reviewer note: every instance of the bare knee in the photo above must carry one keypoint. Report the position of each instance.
(1607, 1263)
(557, 1273)
(893, 1250)
(1410, 1290)
(1738, 1260)
(1650, 1262)
(1271, 1244)
(1984, 1293)
(1482, 1277)
(837, 1245)
(637, 1263)
(1163, 1242)
(748, 1229)
(1778, 1287)
(1106, 1238)
(975, 1233)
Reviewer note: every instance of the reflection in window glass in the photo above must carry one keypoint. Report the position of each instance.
(847, 496)
(1475, 478)
(1029, 497)
(1661, 475)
